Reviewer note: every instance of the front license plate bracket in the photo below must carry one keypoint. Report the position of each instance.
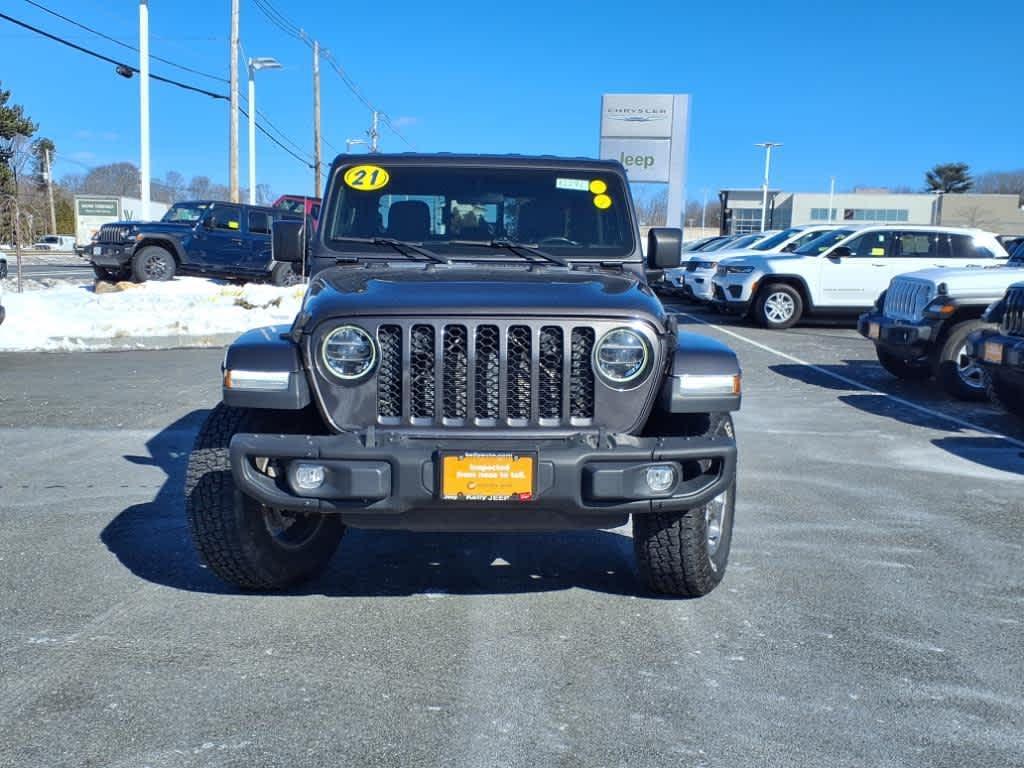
(487, 477)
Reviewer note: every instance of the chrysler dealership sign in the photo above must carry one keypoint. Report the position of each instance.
(647, 133)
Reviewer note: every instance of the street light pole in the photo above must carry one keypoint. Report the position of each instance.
(144, 168)
(233, 121)
(768, 146)
(264, 62)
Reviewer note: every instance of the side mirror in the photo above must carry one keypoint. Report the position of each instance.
(840, 252)
(664, 247)
(288, 241)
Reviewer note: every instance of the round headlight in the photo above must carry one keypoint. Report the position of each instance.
(349, 352)
(622, 356)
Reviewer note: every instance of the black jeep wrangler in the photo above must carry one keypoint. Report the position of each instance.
(1000, 352)
(478, 350)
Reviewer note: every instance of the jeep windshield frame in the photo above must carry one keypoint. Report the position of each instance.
(185, 213)
(484, 212)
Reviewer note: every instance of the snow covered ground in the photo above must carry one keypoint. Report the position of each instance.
(185, 311)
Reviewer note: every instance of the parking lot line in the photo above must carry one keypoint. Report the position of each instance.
(858, 385)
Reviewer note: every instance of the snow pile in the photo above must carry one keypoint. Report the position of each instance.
(187, 310)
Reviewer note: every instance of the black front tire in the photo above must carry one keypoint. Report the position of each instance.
(778, 306)
(685, 553)
(284, 273)
(908, 370)
(952, 371)
(242, 541)
(153, 263)
(103, 273)
(1010, 399)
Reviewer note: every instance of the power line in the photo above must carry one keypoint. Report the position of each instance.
(123, 44)
(291, 29)
(122, 66)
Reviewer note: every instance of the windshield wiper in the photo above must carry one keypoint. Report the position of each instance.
(402, 246)
(519, 249)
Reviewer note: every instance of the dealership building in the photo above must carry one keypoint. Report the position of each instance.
(997, 213)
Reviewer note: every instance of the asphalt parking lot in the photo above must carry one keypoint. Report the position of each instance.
(871, 615)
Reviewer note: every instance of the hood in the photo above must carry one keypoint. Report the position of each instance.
(970, 281)
(175, 226)
(470, 290)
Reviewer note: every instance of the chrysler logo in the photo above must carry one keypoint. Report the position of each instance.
(632, 115)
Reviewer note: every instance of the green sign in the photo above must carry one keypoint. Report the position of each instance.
(96, 207)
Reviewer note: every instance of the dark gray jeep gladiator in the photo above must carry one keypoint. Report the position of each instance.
(478, 350)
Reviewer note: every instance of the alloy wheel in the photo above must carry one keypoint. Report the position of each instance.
(779, 307)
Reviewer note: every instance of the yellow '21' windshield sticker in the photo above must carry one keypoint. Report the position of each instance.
(366, 178)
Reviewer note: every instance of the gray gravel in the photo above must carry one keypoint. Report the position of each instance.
(871, 614)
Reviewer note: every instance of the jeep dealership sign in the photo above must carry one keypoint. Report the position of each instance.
(647, 133)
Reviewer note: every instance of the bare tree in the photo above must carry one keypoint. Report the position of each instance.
(1001, 182)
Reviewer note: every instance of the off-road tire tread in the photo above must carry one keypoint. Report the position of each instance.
(1002, 397)
(903, 369)
(210, 498)
(670, 547)
(137, 273)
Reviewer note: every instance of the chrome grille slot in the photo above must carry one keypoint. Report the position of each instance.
(906, 299)
(112, 234)
(1013, 313)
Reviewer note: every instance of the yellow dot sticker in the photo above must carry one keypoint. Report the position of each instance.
(598, 187)
(366, 178)
(602, 201)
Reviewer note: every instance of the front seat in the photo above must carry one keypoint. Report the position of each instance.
(409, 220)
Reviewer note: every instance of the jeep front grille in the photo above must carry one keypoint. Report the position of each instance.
(1013, 313)
(515, 374)
(113, 234)
(906, 299)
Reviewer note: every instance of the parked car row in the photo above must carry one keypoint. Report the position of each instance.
(938, 302)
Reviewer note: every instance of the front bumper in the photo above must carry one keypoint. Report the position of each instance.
(110, 255)
(902, 338)
(699, 285)
(734, 293)
(391, 480)
(997, 351)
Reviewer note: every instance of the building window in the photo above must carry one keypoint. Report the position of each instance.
(746, 220)
(821, 214)
(872, 214)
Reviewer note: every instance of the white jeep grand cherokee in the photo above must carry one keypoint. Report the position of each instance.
(844, 271)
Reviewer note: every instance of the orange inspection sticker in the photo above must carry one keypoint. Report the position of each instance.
(602, 201)
(487, 477)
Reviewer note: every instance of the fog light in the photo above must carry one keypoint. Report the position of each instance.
(660, 477)
(309, 477)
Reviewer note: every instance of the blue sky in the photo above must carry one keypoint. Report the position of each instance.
(870, 92)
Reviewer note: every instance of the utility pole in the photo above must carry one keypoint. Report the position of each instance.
(831, 199)
(373, 133)
(144, 169)
(49, 192)
(233, 137)
(316, 119)
(768, 146)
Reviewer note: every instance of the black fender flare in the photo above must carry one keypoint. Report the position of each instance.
(169, 242)
(269, 350)
(699, 355)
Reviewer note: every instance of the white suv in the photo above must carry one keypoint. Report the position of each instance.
(694, 278)
(844, 271)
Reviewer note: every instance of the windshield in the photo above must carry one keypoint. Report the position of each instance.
(823, 243)
(719, 245)
(742, 242)
(50, 239)
(571, 213)
(186, 212)
(775, 240)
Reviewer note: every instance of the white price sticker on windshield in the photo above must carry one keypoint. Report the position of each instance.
(578, 185)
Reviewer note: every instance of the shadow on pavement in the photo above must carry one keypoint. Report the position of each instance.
(992, 452)
(152, 541)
